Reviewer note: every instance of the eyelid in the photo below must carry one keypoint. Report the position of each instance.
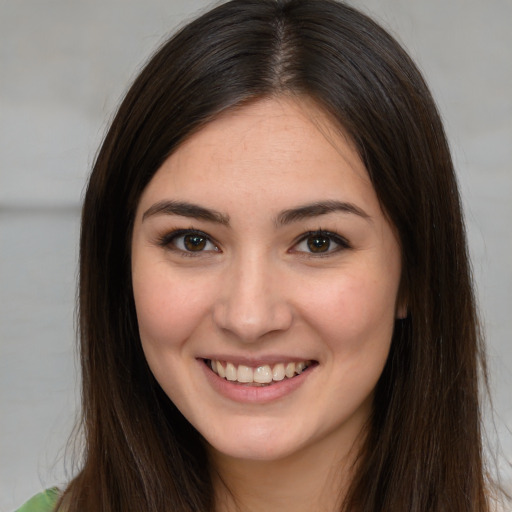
(341, 242)
(166, 241)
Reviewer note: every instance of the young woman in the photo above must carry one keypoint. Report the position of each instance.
(276, 310)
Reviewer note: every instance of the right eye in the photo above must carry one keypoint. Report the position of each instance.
(188, 241)
(321, 243)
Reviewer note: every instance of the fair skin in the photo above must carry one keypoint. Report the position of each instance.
(260, 248)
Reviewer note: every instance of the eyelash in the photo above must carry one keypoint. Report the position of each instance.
(169, 241)
(341, 242)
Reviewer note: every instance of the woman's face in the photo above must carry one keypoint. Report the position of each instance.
(260, 248)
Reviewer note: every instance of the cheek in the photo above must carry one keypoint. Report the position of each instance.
(168, 309)
(356, 299)
(353, 311)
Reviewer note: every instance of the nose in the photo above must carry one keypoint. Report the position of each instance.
(253, 301)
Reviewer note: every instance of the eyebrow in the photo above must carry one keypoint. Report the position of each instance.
(185, 209)
(320, 208)
(195, 211)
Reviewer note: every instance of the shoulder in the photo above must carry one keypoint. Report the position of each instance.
(42, 502)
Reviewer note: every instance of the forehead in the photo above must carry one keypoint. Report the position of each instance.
(276, 127)
(285, 150)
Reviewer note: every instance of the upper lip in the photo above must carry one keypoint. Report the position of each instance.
(254, 362)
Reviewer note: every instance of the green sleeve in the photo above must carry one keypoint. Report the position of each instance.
(43, 502)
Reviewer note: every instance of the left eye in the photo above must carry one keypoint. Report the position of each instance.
(190, 241)
(320, 242)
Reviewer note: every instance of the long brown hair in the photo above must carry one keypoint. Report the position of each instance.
(423, 449)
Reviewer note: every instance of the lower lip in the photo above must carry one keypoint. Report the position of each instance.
(254, 394)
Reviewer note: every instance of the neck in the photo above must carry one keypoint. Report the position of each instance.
(312, 479)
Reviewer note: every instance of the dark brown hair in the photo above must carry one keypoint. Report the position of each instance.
(423, 448)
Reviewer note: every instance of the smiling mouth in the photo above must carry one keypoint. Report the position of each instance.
(264, 375)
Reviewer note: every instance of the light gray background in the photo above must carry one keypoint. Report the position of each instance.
(63, 67)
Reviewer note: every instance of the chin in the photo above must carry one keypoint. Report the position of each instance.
(258, 444)
(250, 451)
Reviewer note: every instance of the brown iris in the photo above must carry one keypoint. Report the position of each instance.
(318, 243)
(194, 242)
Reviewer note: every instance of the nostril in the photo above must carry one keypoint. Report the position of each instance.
(250, 320)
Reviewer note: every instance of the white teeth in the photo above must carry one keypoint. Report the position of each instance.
(290, 370)
(230, 371)
(220, 370)
(278, 372)
(263, 374)
(299, 368)
(244, 374)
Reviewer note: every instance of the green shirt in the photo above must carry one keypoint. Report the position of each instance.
(43, 502)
